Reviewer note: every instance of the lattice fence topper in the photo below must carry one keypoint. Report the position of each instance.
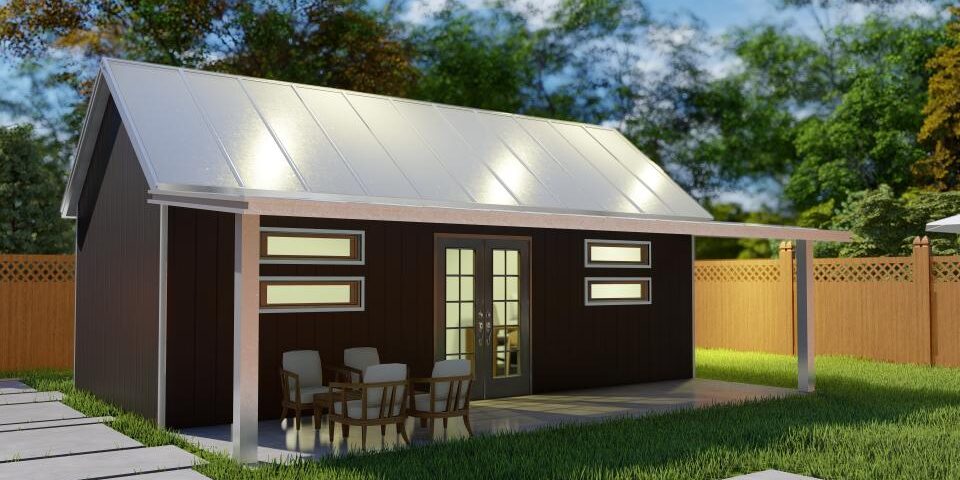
(737, 272)
(863, 272)
(946, 269)
(30, 268)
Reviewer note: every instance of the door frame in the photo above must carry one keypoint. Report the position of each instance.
(438, 308)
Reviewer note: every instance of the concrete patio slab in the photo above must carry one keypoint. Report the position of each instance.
(9, 385)
(16, 427)
(280, 440)
(48, 442)
(36, 412)
(96, 465)
(30, 397)
(771, 475)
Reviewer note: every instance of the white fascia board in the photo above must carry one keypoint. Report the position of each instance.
(84, 150)
(490, 216)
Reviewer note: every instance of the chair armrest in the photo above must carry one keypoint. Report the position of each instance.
(285, 377)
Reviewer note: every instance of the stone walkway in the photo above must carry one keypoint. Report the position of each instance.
(41, 438)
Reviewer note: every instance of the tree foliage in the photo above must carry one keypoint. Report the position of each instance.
(30, 189)
(580, 64)
(884, 223)
(940, 170)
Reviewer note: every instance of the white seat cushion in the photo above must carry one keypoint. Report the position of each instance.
(306, 394)
(360, 358)
(306, 364)
(421, 402)
(355, 409)
(450, 368)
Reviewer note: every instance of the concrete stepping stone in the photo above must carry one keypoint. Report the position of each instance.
(47, 442)
(36, 412)
(771, 475)
(170, 475)
(96, 465)
(16, 427)
(12, 385)
(30, 397)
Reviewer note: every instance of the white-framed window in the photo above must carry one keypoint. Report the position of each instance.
(311, 294)
(280, 245)
(617, 291)
(599, 253)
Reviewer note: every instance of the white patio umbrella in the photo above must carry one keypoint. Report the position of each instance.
(945, 225)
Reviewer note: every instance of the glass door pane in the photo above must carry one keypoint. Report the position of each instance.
(459, 302)
(506, 340)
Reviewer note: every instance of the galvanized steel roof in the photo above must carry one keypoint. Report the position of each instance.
(202, 131)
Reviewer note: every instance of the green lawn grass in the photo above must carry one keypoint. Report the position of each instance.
(868, 420)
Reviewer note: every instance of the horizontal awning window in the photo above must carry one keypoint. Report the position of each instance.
(301, 245)
(617, 253)
(305, 294)
(617, 291)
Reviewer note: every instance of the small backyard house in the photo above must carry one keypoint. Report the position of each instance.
(223, 220)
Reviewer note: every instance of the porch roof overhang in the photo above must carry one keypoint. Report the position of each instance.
(945, 225)
(387, 209)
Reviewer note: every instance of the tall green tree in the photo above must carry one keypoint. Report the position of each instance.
(814, 118)
(578, 63)
(31, 185)
(940, 170)
(884, 223)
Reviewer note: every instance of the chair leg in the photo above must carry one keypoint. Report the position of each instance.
(466, 423)
(423, 422)
(402, 427)
(298, 412)
(444, 423)
(345, 430)
(363, 436)
(330, 425)
(432, 422)
(383, 430)
(284, 412)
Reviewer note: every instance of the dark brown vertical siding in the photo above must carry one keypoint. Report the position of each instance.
(199, 317)
(573, 346)
(117, 277)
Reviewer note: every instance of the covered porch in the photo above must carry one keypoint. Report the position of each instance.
(250, 440)
(280, 440)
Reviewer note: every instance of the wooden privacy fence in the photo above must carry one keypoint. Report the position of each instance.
(36, 311)
(899, 309)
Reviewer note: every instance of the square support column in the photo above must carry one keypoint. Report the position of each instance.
(806, 369)
(246, 336)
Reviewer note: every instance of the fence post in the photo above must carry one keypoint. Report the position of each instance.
(785, 265)
(921, 282)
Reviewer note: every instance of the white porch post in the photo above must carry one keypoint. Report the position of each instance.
(806, 371)
(246, 336)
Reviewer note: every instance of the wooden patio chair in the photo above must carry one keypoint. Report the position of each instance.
(301, 378)
(357, 359)
(379, 400)
(447, 395)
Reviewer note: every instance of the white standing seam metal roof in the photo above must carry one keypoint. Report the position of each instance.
(246, 145)
(945, 225)
(201, 131)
